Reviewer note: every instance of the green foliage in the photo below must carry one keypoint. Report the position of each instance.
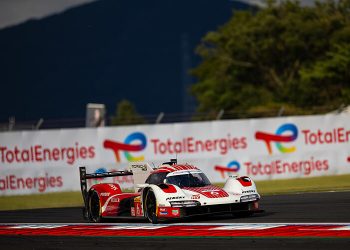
(126, 114)
(282, 55)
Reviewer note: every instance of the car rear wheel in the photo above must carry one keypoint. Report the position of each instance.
(94, 207)
(150, 207)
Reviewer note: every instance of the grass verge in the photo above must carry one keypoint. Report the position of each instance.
(303, 185)
(71, 199)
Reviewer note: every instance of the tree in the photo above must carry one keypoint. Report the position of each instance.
(282, 55)
(332, 74)
(126, 114)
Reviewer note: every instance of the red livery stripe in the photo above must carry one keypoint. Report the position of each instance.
(193, 230)
(209, 191)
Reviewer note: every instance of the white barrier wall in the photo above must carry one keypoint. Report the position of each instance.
(275, 148)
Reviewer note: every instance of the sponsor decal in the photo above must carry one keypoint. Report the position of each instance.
(40, 183)
(337, 135)
(113, 187)
(280, 137)
(39, 153)
(276, 167)
(142, 167)
(192, 145)
(248, 191)
(115, 200)
(174, 198)
(175, 212)
(105, 194)
(138, 209)
(195, 197)
(163, 211)
(232, 167)
(128, 146)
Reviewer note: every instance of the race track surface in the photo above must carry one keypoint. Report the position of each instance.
(296, 208)
(327, 207)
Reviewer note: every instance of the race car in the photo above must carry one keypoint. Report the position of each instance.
(169, 191)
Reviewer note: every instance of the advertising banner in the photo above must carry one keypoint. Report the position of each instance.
(273, 148)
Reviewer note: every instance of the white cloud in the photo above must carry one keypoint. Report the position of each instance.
(14, 12)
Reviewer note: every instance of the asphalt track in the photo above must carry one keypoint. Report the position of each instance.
(326, 207)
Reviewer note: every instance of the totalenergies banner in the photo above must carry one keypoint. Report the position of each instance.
(275, 148)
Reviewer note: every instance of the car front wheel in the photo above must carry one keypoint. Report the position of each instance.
(151, 206)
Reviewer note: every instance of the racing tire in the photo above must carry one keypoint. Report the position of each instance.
(95, 207)
(151, 207)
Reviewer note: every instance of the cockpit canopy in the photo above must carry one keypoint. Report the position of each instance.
(180, 179)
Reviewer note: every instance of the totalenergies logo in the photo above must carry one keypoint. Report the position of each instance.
(128, 146)
(232, 167)
(279, 138)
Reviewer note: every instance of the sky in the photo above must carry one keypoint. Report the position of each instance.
(14, 12)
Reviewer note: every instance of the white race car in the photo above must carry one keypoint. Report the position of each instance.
(170, 191)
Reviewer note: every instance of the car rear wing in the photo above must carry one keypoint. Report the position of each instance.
(84, 176)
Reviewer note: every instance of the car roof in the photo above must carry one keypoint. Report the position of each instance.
(174, 168)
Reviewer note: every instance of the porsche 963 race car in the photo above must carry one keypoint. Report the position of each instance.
(170, 191)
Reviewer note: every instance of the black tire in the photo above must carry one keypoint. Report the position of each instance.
(94, 207)
(151, 206)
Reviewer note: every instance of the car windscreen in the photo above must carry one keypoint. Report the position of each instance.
(188, 180)
(156, 178)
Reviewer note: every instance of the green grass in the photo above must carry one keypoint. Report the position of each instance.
(71, 199)
(303, 185)
(62, 199)
(314, 184)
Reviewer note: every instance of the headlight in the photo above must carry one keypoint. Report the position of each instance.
(185, 203)
(250, 197)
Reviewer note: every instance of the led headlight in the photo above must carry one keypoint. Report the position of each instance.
(250, 197)
(188, 203)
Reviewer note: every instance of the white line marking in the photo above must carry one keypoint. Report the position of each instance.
(347, 228)
(35, 226)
